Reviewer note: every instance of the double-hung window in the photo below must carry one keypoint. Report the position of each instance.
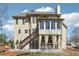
(34, 19)
(47, 24)
(41, 24)
(16, 21)
(25, 21)
(52, 24)
(26, 31)
(19, 31)
(58, 24)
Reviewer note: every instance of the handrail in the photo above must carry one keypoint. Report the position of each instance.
(28, 42)
(28, 39)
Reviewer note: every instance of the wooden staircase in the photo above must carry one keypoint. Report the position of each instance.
(28, 39)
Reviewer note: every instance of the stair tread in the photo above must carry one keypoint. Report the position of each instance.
(28, 39)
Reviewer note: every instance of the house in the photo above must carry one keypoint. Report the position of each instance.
(40, 30)
(74, 40)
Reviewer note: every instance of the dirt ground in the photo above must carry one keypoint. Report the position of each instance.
(69, 51)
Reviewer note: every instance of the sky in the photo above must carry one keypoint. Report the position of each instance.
(69, 11)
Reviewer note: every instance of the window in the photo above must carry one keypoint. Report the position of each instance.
(52, 24)
(33, 29)
(26, 31)
(58, 24)
(47, 24)
(16, 21)
(26, 20)
(41, 24)
(34, 19)
(19, 31)
(23, 21)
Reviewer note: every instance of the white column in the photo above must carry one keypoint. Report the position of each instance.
(50, 25)
(53, 42)
(39, 25)
(55, 24)
(46, 40)
(40, 37)
(61, 41)
(59, 38)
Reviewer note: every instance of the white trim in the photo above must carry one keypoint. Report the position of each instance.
(56, 25)
(50, 25)
(44, 25)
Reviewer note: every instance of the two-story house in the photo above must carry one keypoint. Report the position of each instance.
(40, 30)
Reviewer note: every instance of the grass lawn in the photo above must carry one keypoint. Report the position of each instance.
(77, 49)
(44, 54)
(40, 54)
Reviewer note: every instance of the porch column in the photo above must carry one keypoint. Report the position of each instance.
(40, 41)
(59, 42)
(46, 40)
(50, 25)
(53, 42)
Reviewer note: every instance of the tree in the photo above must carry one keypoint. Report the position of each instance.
(3, 19)
(3, 39)
(76, 30)
(11, 42)
(75, 37)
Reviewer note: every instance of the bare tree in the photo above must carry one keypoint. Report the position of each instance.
(75, 36)
(3, 17)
